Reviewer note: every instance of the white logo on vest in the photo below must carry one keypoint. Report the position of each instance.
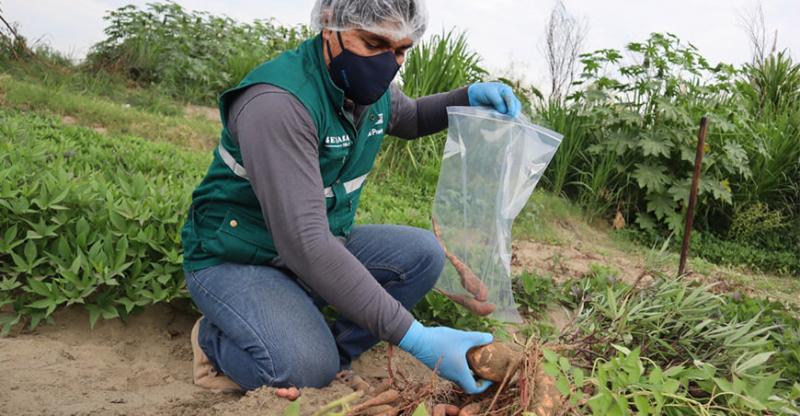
(338, 141)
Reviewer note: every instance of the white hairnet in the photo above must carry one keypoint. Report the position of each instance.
(396, 19)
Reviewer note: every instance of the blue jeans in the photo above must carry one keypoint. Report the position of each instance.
(261, 327)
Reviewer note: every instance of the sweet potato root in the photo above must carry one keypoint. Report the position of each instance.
(469, 280)
(379, 410)
(386, 398)
(445, 410)
(493, 361)
(478, 308)
(470, 410)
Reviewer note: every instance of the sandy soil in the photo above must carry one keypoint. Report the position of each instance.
(142, 368)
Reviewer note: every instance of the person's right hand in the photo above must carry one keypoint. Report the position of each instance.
(430, 344)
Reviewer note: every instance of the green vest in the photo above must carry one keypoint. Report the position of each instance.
(225, 223)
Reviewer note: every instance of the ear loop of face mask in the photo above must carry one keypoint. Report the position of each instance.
(341, 45)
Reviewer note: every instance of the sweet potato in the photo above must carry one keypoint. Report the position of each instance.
(378, 410)
(469, 280)
(445, 410)
(478, 308)
(470, 410)
(493, 361)
(386, 398)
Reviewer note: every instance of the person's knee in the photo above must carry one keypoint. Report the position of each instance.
(431, 256)
(317, 371)
(312, 364)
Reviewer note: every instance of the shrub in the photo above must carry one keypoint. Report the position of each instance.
(194, 55)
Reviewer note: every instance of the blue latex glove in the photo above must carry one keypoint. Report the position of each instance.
(429, 344)
(496, 95)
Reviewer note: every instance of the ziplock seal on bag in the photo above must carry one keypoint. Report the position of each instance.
(490, 166)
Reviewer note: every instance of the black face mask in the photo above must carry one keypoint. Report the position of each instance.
(363, 79)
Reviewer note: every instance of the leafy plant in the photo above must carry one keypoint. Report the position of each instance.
(646, 114)
(195, 55)
(714, 249)
(628, 384)
(99, 226)
(533, 293)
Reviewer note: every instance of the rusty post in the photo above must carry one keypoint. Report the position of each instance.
(698, 165)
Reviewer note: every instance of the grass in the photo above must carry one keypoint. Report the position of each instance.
(47, 71)
(106, 115)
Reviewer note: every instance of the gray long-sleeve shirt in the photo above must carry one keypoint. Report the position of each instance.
(279, 146)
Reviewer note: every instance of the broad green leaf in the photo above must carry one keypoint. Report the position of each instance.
(562, 384)
(600, 403)
(642, 405)
(578, 376)
(652, 178)
(551, 369)
(653, 146)
(30, 252)
(563, 362)
(660, 204)
(550, 356)
(645, 221)
(719, 190)
(763, 389)
(8, 321)
(725, 385)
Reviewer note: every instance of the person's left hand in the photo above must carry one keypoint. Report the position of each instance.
(496, 95)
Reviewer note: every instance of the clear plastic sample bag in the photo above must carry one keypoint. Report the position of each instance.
(491, 165)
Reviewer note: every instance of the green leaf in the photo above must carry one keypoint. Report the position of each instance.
(660, 204)
(8, 321)
(725, 385)
(421, 410)
(551, 369)
(642, 405)
(671, 386)
(562, 384)
(30, 251)
(578, 376)
(39, 287)
(41, 303)
(653, 146)
(563, 362)
(9, 239)
(117, 220)
(94, 314)
(763, 389)
(645, 221)
(652, 178)
(753, 362)
(82, 229)
(717, 189)
(621, 349)
(550, 356)
(293, 409)
(600, 403)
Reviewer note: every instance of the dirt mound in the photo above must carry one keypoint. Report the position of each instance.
(565, 262)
